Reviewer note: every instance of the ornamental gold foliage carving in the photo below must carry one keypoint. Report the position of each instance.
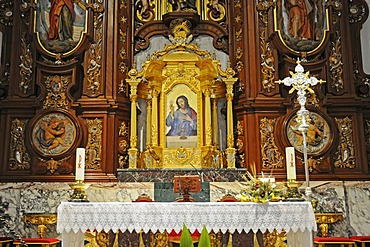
(336, 65)
(267, 59)
(345, 155)
(94, 144)
(94, 62)
(19, 158)
(25, 68)
(271, 157)
(56, 87)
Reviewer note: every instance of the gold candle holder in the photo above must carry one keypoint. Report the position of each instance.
(292, 193)
(79, 191)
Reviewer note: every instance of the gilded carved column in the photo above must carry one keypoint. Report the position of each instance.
(230, 150)
(207, 120)
(148, 119)
(133, 151)
(215, 122)
(154, 130)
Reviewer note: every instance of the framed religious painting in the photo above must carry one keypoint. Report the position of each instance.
(319, 136)
(302, 25)
(60, 26)
(181, 118)
(54, 133)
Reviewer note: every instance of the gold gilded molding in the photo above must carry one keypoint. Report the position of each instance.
(94, 144)
(216, 11)
(336, 64)
(96, 239)
(344, 157)
(144, 10)
(25, 68)
(122, 65)
(123, 130)
(19, 158)
(239, 128)
(275, 239)
(159, 239)
(56, 87)
(271, 157)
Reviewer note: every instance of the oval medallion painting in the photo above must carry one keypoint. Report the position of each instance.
(60, 24)
(301, 24)
(318, 134)
(53, 134)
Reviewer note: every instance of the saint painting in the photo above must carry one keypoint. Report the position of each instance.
(302, 23)
(60, 24)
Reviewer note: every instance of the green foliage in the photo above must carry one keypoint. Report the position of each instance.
(204, 240)
(185, 239)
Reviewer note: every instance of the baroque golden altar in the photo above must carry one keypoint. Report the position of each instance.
(184, 77)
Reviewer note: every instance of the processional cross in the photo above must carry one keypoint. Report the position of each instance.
(302, 82)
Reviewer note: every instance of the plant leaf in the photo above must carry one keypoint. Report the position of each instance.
(204, 240)
(185, 239)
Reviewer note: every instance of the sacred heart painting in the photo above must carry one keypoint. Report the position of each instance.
(302, 25)
(60, 24)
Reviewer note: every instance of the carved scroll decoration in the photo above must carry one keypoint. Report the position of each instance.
(239, 128)
(357, 12)
(6, 12)
(19, 158)
(336, 64)
(345, 155)
(267, 59)
(144, 12)
(56, 87)
(362, 82)
(275, 238)
(123, 145)
(52, 165)
(25, 68)
(217, 11)
(94, 144)
(95, 55)
(271, 157)
(336, 5)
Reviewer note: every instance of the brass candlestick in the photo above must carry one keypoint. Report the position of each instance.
(292, 193)
(79, 191)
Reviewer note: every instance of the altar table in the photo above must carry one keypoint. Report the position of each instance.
(296, 218)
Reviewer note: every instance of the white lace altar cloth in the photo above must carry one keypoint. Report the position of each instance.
(296, 218)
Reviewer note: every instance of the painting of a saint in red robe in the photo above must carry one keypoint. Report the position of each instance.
(302, 23)
(60, 24)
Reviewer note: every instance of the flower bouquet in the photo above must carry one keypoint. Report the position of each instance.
(259, 190)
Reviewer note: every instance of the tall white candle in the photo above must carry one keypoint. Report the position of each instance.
(142, 139)
(80, 164)
(220, 140)
(290, 163)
